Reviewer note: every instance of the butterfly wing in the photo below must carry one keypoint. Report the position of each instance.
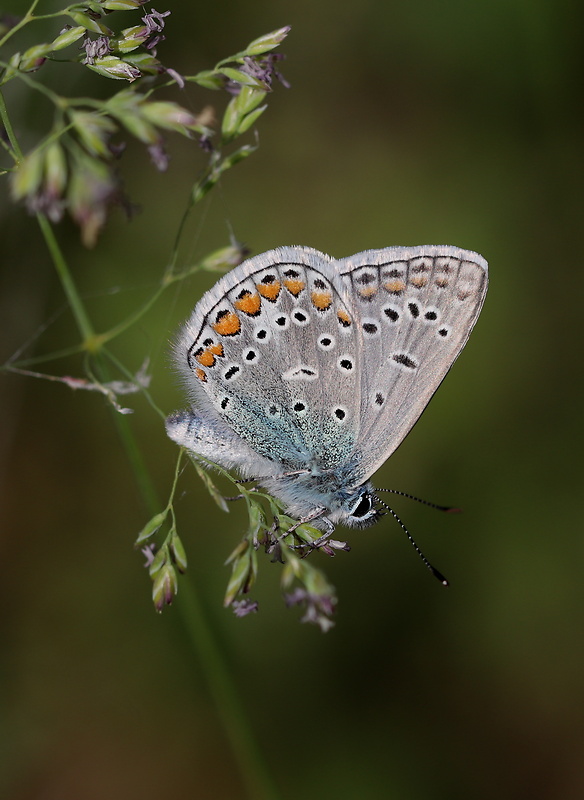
(415, 308)
(271, 351)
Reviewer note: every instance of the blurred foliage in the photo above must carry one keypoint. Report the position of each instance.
(406, 124)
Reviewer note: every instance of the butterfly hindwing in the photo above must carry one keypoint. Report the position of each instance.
(415, 308)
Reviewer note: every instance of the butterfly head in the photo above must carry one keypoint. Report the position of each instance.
(357, 510)
(327, 498)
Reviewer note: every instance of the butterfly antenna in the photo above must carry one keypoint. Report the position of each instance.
(447, 509)
(432, 569)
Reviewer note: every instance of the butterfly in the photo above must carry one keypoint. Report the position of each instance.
(306, 372)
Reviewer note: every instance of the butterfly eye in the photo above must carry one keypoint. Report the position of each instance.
(363, 507)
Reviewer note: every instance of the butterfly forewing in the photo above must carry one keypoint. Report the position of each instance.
(272, 348)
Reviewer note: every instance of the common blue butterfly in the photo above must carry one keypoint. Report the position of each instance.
(306, 372)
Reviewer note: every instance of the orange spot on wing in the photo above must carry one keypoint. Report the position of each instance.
(395, 287)
(217, 350)
(419, 281)
(321, 300)
(344, 318)
(294, 287)
(227, 323)
(200, 373)
(205, 358)
(269, 290)
(367, 291)
(249, 303)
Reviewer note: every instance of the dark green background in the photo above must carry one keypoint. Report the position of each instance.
(407, 123)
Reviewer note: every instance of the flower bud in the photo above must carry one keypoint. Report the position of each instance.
(93, 186)
(90, 24)
(151, 527)
(267, 42)
(27, 178)
(243, 575)
(130, 39)
(126, 106)
(242, 78)
(223, 259)
(169, 115)
(122, 5)
(177, 552)
(240, 550)
(116, 68)
(67, 36)
(94, 131)
(164, 587)
(33, 58)
(161, 558)
(56, 174)
(235, 120)
(230, 121)
(237, 156)
(249, 99)
(12, 68)
(250, 119)
(146, 63)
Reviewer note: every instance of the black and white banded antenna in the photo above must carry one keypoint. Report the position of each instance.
(446, 509)
(432, 569)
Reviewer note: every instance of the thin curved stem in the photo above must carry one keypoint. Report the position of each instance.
(81, 317)
(24, 363)
(132, 318)
(8, 127)
(20, 24)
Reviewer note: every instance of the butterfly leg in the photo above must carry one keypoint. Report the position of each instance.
(324, 540)
(316, 513)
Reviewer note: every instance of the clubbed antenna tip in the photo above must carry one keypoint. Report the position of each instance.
(432, 569)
